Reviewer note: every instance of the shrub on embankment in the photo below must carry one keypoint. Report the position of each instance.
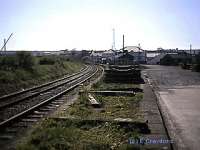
(186, 62)
(24, 70)
(175, 59)
(21, 60)
(196, 63)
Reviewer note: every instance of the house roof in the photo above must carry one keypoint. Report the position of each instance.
(96, 53)
(133, 48)
(109, 52)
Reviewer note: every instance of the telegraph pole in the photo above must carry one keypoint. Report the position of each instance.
(123, 42)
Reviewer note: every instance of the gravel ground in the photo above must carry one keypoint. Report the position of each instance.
(178, 92)
(170, 76)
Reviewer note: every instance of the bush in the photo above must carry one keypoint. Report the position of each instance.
(25, 60)
(196, 67)
(185, 66)
(197, 59)
(167, 60)
(196, 63)
(47, 61)
(21, 60)
(8, 63)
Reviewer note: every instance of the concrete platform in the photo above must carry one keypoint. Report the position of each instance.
(151, 113)
(178, 91)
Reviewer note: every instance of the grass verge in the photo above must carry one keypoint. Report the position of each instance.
(20, 78)
(78, 134)
(85, 127)
(113, 107)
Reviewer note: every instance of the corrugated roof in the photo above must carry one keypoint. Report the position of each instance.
(132, 48)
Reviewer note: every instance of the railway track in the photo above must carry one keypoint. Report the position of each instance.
(13, 98)
(37, 103)
(22, 101)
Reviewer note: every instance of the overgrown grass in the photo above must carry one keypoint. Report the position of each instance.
(21, 78)
(88, 128)
(113, 107)
(77, 134)
(113, 86)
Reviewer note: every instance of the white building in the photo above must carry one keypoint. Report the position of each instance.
(138, 53)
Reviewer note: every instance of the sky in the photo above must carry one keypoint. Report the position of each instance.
(88, 24)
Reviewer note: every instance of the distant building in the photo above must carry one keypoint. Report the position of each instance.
(131, 55)
(108, 56)
(138, 54)
(96, 56)
(154, 56)
(124, 59)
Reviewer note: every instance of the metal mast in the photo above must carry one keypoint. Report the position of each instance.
(113, 45)
(123, 42)
(5, 42)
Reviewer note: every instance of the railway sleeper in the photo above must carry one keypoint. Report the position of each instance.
(50, 107)
(57, 102)
(45, 109)
(35, 116)
(41, 112)
(11, 130)
(21, 124)
(29, 120)
(6, 137)
(54, 105)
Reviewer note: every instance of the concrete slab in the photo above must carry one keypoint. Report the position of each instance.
(178, 91)
(184, 107)
(150, 111)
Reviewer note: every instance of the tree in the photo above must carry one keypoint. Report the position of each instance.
(167, 60)
(25, 60)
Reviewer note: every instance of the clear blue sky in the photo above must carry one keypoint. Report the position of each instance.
(88, 24)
